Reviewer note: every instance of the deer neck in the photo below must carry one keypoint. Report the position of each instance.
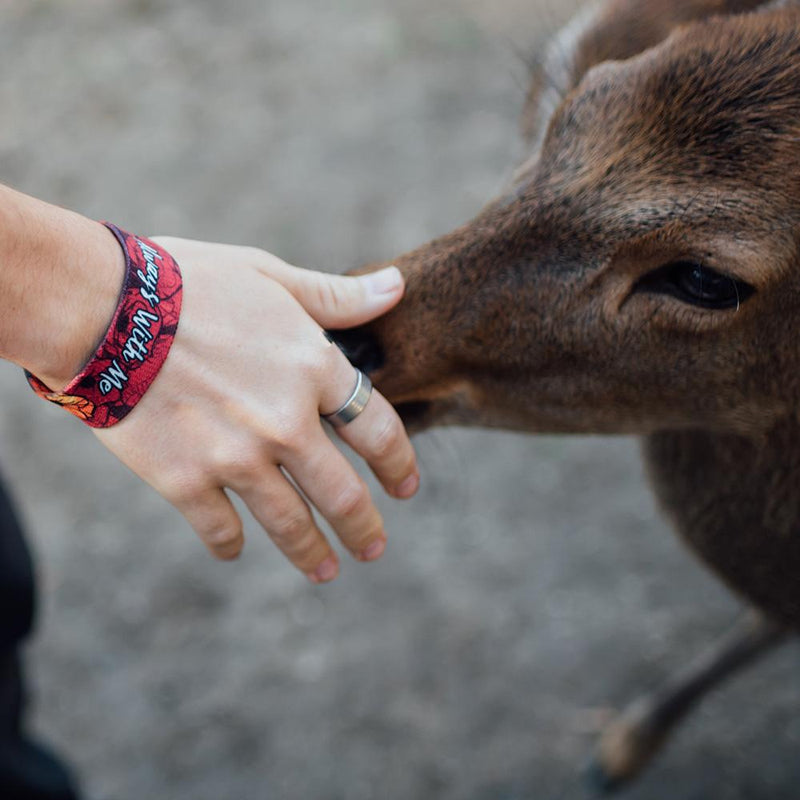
(734, 499)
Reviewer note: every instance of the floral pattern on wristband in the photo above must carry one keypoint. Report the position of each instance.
(136, 344)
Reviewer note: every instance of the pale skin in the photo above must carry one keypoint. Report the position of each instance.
(237, 404)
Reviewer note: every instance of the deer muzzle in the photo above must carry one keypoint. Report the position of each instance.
(451, 341)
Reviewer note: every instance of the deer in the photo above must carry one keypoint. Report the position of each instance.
(639, 275)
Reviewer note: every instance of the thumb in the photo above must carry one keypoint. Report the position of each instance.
(343, 301)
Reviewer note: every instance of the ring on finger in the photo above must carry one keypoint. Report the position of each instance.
(354, 405)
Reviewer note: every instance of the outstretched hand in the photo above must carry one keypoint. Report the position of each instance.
(237, 406)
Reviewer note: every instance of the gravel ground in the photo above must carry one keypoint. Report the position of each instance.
(529, 589)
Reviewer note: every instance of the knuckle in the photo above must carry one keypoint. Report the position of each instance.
(291, 435)
(290, 528)
(183, 490)
(409, 463)
(387, 438)
(335, 293)
(223, 538)
(325, 292)
(247, 471)
(371, 533)
(351, 500)
(237, 465)
(307, 552)
(309, 360)
(331, 359)
(320, 360)
(298, 433)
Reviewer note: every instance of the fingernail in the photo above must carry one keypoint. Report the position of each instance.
(383, 282)
(374, 551)
(325, 572)
(408, 487)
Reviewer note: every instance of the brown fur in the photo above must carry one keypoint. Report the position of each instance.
(675, 136)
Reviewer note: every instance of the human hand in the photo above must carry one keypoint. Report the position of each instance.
(237, 406)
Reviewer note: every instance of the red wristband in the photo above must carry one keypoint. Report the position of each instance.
(136, 343)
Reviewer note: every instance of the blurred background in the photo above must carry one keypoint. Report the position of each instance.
(530, 589)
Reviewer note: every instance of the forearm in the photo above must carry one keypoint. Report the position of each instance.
(60, 277)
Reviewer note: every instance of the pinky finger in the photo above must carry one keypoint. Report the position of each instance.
(216, 522)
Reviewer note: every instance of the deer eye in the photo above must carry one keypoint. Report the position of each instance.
(693, 283)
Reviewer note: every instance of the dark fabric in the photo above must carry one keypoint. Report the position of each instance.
(16, 578)
(27, 770)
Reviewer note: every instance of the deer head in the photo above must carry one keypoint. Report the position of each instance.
(642, 270)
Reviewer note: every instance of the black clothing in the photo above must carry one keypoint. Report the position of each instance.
(27, 770)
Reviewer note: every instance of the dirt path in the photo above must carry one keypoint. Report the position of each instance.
(531, 586)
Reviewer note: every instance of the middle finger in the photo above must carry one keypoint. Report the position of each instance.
(341, 496)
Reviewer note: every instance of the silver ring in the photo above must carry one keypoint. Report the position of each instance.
(356, 403)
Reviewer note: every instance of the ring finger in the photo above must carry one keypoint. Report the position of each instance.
(376, 434)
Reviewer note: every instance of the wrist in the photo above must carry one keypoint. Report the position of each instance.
(61, 278)
(135, 344)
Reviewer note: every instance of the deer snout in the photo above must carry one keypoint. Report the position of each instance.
(364, 350)
(419, 355)
(361, 347)
(401, 351)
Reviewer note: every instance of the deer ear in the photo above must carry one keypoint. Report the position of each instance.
(614, 30)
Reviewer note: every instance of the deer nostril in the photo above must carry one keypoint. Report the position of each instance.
(360, 346)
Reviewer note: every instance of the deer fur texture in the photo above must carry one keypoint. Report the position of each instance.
(664, 149)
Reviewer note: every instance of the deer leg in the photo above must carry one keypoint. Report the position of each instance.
(629, 743)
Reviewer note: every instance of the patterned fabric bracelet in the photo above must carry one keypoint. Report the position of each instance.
(137, 341)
